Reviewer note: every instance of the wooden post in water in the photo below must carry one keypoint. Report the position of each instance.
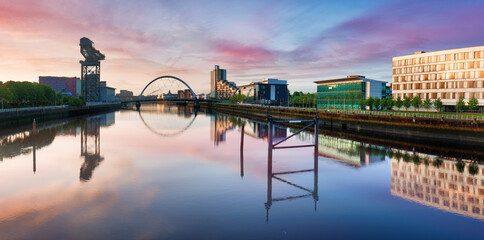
(268, 204)
(242, 151)
(34, 146)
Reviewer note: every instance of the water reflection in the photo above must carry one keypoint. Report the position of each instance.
(30, 141)
(452, 186)
(91, 143)
(188, 186)
(162, 119)
(220, 124)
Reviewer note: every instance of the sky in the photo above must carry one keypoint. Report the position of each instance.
(298, 41)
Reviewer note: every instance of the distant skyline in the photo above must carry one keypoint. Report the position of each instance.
(298, 41)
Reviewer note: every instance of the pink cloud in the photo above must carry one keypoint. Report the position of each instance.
(240, 54)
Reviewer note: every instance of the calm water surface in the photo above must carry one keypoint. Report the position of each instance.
(168, 172)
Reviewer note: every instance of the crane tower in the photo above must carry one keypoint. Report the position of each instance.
(90, 70)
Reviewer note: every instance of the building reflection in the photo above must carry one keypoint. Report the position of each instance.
(220, 124)
(91, 143)
(452, 186)
(28, 140)
(349, 152)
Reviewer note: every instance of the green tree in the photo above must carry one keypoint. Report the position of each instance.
(6, 96)
(473, 104)
(460, 165)
(438, 104)
(460, 105)
(235, 98)
(362, 102)
(398, 102)
(473, 169)
(376, 103)
(384, 103)
(390, 103)
(427, 103)
(416, 102)
(407, 102)
(369, 102)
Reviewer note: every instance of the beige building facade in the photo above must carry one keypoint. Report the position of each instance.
(448, 75)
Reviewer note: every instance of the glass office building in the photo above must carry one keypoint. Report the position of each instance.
(345, 92)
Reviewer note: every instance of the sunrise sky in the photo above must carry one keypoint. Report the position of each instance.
(299, 41)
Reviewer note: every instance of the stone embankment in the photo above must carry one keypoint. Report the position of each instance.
(24, 116)
(464, 133)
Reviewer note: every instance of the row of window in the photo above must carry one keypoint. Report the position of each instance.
(446, 203)
(349, 87)
(440, 76)
(439, 67)
(439, 58)
(438, 85)
(448, 95)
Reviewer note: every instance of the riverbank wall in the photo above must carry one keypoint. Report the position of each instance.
(458, 133)
(42, 114)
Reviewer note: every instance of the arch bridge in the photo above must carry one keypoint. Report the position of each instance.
(152, 97)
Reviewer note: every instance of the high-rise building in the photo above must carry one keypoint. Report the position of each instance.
(447, 74)
(219, 86)
(345, 92)
(66, 85)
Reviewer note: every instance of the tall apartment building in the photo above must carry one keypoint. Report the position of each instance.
(447, 74)
(219, 86)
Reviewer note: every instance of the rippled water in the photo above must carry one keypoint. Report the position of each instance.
(171, 172)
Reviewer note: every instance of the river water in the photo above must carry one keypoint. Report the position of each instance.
(171, 172)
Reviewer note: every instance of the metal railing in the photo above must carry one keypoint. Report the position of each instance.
(31, 108)
(467, 116)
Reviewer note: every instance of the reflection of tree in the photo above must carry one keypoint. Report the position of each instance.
(21, 142)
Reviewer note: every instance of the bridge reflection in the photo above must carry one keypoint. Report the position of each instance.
(169, 115)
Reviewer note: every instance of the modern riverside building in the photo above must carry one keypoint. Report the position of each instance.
(107, 93)
(66, 85)
(270, 89)
(345, 92)
(219, 86)
(447, 74)
(125, 95)
(442, 187)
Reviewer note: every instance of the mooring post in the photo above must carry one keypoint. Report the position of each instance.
(34, 147)
(242, 151)
(270, 147)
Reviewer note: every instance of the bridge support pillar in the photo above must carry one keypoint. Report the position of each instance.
(138, 105)
(197, 104)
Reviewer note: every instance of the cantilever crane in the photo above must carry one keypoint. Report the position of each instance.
(90, 70)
